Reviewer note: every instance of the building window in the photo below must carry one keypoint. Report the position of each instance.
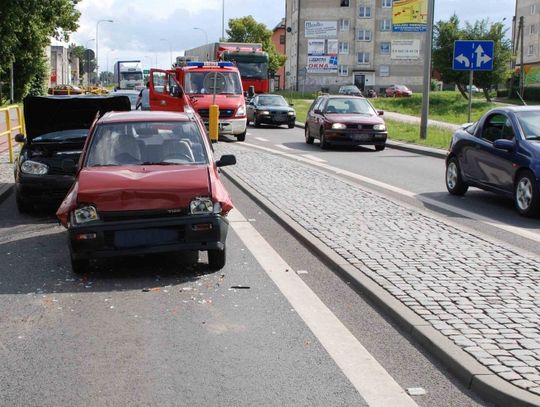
(531, 49)
(532, 10)
(384, 70)
(343, 24)
(343, 70)
(386, 24)
(364, 12)
(386, 3)
(282, 39)
(343, 47)
(384, 48)
(532, 29)
(344, 3)
(363, 57)
(364, 35)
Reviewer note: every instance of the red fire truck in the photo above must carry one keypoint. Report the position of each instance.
(200, 85)
(250, 59)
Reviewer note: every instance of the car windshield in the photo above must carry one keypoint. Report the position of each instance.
(253, 70)
(272, 101)
(530, 124)
(349, 106)
(63, 135)
(213, 82)
(147, 143)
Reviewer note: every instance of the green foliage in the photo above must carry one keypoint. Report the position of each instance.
(38, 84)
(25, 30)
(446, 32)
(247, 29)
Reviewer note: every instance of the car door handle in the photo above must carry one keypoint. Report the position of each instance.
(163, 102)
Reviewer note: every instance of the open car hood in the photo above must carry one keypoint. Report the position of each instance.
(56, 113)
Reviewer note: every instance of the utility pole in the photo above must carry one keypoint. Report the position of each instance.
(427, 71)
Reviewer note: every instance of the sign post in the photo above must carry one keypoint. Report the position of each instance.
(472, 55)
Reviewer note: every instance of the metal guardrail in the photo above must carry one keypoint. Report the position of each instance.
(10, 128)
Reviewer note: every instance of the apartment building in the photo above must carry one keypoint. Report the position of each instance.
(330, 43)
(530, 11)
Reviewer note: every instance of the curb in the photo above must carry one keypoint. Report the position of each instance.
(473, 375)
(5, 191)
(412, 148)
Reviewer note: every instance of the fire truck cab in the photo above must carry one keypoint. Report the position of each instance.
(219, 83)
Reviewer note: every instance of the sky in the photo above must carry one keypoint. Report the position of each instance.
(156, 31)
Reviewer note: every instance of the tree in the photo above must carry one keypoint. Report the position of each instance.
(446, 32)
(25, 30)
(247, 29)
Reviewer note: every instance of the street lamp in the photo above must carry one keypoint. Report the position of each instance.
(170, 49)
(97, 59)
(205, 33)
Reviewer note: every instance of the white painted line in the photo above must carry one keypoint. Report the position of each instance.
(260, 138)
(373, 383)
(313, 158)
(454, 209)
(282, 147)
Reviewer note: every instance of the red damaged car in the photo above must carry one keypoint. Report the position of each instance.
(147, 183)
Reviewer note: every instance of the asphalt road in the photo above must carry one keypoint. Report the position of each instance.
(158, 330)
(409, 177)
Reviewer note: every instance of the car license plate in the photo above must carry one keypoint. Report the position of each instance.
(144, 237)
(361, 137)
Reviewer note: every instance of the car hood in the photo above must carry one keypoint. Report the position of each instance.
(56, 113)
(353, 118)
(275, 108)
(142, 187)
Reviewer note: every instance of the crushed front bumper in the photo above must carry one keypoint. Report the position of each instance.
(143, 236)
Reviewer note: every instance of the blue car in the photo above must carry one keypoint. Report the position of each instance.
(499, 153)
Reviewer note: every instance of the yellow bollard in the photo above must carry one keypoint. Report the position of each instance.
(213, 123)
(10, 143)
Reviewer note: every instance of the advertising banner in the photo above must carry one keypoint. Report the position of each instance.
(332, 47)
(315, 47)
(321, 29)
(409, 15)
(322, 64)
(405, 49)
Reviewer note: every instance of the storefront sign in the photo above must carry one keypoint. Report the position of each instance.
(409, 15)
(405, 49)
(322, 64)
(321, 29)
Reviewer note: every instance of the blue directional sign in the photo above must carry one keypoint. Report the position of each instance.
(472, 55)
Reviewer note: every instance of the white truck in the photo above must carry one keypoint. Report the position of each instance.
(128, 75)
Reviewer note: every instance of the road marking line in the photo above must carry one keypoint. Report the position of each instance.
(313, 158)
(373, 383)
(282, 146)
(260, 138)
(430, 201)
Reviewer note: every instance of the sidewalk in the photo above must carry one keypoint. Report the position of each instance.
(6, 176)
(470, 300)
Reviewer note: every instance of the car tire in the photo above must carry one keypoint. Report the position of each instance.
(217, 259)
(242, 136)
(380, 147)
(307, 135)
(79, 266)
(256, 122)
(291, 125)
(526, 194)
(324, 143)
(454, 181)
(22, 206)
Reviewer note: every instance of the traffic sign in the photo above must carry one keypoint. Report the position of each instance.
(146, 71)
(473, 55)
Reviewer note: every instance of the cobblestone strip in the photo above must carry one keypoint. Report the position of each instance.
(482, 295)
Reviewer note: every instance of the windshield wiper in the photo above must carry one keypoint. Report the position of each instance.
(533, 137)
(158, 163)
(75, 138)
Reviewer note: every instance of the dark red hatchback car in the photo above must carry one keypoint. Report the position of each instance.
(345, 120)
(147, 183)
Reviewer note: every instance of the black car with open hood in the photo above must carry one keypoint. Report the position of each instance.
(56, 130)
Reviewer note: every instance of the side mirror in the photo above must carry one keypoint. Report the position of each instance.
(317, 111)
(68, 165)
(291, 104)
(227, 159)
(380, 112)
(503, 144)
(19, 138)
